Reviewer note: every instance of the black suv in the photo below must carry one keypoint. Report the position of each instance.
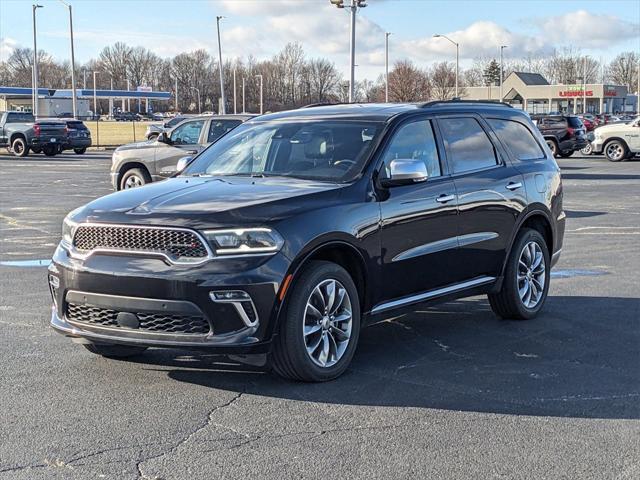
(280, 241)
(564, 134)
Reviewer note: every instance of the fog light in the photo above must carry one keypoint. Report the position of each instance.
(241, 301)
(229, 296)
(54, 283)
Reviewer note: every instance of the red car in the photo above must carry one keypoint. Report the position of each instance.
(590, 125)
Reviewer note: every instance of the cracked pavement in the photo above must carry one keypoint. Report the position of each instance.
(445, 392)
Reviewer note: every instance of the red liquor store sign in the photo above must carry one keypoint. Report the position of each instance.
(575, 92)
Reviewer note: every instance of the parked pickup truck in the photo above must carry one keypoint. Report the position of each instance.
(618, 141)
(20, 133)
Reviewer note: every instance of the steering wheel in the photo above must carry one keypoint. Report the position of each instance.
(347, 163)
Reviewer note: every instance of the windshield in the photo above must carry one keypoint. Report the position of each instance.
(324, 150)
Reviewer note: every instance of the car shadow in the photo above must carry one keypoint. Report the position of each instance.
(579, 358)
(599, 176)
(583, 213)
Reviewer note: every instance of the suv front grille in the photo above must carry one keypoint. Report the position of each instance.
(149, 322)
(176, 244)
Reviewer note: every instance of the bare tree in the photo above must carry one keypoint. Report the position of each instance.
(443, 81)
(408, 83)
(323, 78)
(623, 69)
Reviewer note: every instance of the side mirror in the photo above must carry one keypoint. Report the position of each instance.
(405, 172)
(163, 137)
(182, 163)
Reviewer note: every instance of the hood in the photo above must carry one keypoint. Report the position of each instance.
(199, 201)
(612, 126)
(137, 146)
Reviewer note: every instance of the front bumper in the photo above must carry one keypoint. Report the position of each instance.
(150, 287)
(597, 145)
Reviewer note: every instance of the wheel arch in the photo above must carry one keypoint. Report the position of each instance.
(537, 219)
(612, 139)
(15, 135)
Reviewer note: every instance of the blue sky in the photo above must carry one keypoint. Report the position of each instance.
(262, 27)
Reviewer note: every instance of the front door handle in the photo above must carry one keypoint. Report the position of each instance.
(445, 198)
(191, 152)
(514, 185)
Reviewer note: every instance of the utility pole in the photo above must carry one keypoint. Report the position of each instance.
(584, 84)
(243, 96)
(437, 35)
(235, 105)
(74, 100)
(128, 98)
(84, 80)
(261, 92)
(176, 106)
(224, 107)
(198, 92)
(386, 67)
(502, 47)
(35, 64)
(353, 7)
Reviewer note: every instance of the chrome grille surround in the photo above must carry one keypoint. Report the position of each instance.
(175, 244)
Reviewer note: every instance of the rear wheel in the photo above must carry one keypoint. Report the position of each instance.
(19, 147)
(50, 150)
(133, 178)
(526, 278)
(319, 328)
(114, 351)
(36, 150)
(616, 151)
(80, 151)
(566, 153)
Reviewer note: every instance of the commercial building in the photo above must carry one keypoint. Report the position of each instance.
(52, 103)
(534, 94)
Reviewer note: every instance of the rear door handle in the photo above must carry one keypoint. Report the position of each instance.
(514, 186)
(445, 198)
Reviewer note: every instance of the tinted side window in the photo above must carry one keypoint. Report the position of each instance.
(467, 144)
(220, 127)
(415, 141)
(518, 138)
(20, 118)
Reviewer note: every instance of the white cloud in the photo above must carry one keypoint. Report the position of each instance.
(7, 46)
(480, 39)
(588, 29)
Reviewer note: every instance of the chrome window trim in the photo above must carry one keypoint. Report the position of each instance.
(75, 253)
(431, 294)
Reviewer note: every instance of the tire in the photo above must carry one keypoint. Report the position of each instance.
(19, 147)
(80, 151)
(134, 177)
(508, 303)
(588, 150)
(553, 146)
(153, 136)
(114, 351)
(616, 151)
(36, 150)
(566, 154)
(50, 151)
(291, 358)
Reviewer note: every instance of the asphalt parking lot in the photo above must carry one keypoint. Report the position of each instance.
(446, 392)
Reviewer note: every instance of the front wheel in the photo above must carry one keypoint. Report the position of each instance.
(133, 178)
(566, 153)
(588, 150)
(114, 351)
(616, 151)
(320, 325)
(526, 278)
(80, 151)
(553, 146)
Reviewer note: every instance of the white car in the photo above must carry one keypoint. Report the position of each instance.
(618, 141)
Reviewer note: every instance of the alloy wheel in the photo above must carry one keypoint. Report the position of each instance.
(327, 323)
(615, 151)
(531, 275)
(132, 182)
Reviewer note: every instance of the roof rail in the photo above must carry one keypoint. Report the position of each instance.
(457, 101)
(320, 104)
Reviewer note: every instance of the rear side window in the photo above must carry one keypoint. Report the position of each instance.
(415, 141)
(220, 127)
(468, 146)
(76, 125)
(518, 138)
(575, 122)
(20, 118)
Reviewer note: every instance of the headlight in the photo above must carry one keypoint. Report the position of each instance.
(242, 241)
(68, 229)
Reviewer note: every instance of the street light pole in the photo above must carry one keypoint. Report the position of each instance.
(502, 47)
(176, 106)
(457, 57)
(584, 84)
(74, 100)
(261, 92)
(386, 67)
(35, 64)
(235, 105)
(243, 96)
(95, 97)
(224, 107)
(352, 54)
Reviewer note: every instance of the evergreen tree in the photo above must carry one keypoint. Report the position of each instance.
(492, 73)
